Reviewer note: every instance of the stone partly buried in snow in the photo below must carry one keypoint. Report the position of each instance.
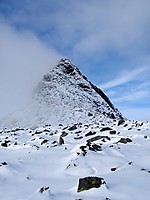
(89, 183)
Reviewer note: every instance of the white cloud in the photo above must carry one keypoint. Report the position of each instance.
(125, 77)
(88, 27)
(132, 96)
(23, 61)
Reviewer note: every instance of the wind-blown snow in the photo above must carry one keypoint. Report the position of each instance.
(33, 166)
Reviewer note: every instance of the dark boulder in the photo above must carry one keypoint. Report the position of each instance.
(121, 121)
(105, 129)
(113, 132)
(125, 140)
(90, 133)
(89, 182)
(61, 140)
(72, 128)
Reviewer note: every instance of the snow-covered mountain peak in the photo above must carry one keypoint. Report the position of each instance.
(65, 88)
(65, 96)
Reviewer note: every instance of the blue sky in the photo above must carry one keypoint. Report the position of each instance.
(109, 40)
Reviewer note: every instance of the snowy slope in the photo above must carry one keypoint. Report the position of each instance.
(34, 166)
(70, 131)
(64, 96)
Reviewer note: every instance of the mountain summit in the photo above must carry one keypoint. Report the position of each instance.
(66, 96)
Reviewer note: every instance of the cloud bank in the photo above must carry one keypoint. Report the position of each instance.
(23, 60)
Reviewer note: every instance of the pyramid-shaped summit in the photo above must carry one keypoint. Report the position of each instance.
(71, 97)
(65, 96)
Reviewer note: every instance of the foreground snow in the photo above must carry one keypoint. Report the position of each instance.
(34, 166)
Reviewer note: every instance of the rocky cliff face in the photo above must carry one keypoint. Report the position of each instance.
(66, 96)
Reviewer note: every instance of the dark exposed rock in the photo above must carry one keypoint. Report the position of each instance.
(105, 129)
(61, 140)
(78, 138)
(44, 141)
(82, 85)
(97, 138)
(143, 169)
(78, 199)
(84, 150)
(90, 133)
(3, 163)
(90, 114)
(89, 182)
(77, 132)
(47, 78)
(101, 93)
(68, 69)
(72, 128)
(95, 147)
(42, 189)
(121, 121)
(113, 169)
(125, 125)
(113, 132)
(125, 140)
(94, 139)
(5, 143)
(64, 134)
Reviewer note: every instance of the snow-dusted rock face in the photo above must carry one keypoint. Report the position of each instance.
(69, 95)
(66, 96)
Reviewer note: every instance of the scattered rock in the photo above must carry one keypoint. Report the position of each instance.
(72, 128)
(44, 141)
(82, 85)
(90, 114)
(95, 147)
(94, 139)
(5, 143)
(89, 182)
(124, 140)
(42, 189)
(113, 169)
(121, 121)
(97, 138)
(90, 133)
(84, 150)
(125, 125)
(61, 140)
(113, 132)
(78, 138)
(105, 129)
(3, 163)
(68, 69)
(64, 134)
